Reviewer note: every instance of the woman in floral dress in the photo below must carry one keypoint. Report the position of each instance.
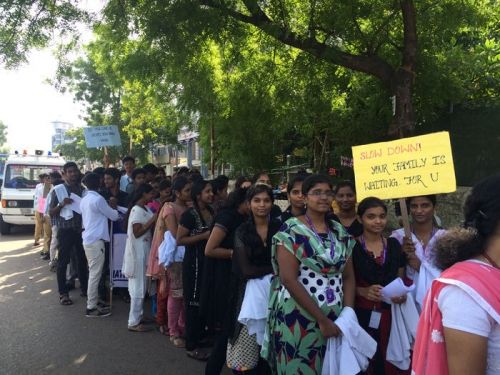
(313, 280)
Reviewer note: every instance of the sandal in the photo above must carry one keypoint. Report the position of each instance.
(198, 354)
(65, 300)
(163, 329)
(138, 328)
(178, 342)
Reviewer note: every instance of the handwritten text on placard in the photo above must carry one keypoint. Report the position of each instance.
(404, 168)
(100, 136)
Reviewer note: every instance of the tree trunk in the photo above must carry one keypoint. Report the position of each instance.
(399, 81)
(403, 122)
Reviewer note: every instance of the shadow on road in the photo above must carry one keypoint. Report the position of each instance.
(39, 336)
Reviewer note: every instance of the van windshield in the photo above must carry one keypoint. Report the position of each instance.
(22, 176)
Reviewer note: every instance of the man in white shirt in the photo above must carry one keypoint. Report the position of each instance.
(95, 215)
(128, 163)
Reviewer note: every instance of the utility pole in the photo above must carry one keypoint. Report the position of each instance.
(212, 149)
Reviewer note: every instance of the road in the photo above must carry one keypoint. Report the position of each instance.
(39, 336)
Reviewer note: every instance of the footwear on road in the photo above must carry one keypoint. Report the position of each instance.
(139, 328)
(97, 313)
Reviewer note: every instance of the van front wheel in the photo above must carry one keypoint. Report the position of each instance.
(4, 227)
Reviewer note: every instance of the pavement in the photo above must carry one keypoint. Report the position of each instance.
(39, 336)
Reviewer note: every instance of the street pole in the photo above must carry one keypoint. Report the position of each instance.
(212, 150)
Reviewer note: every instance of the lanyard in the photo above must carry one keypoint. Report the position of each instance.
(321, 240)
(384, 245)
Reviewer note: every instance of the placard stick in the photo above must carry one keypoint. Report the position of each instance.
(106, 157)
(111, 268)
(405, 217)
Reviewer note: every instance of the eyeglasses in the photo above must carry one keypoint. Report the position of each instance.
(321, 194)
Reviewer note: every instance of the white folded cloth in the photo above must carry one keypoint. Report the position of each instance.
(254, 307)
(61, 193)
(169, 252)
(426, 275)
(349, 353)
(403, 332)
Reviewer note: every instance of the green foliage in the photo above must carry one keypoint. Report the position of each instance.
(3, 133)
(279, 76)
(27, 24)
(293, 74)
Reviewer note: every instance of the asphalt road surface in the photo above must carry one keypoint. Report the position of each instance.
(39, 336)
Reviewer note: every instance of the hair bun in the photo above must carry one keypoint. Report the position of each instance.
(456, 245)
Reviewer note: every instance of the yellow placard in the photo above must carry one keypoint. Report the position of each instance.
(406, 167)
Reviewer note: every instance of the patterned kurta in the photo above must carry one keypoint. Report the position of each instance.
(294, 343)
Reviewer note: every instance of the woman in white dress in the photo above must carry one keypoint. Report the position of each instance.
(140, 221)
(419, 249)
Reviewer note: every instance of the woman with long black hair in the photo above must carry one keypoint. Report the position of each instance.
(345, 197)
(193, 232)
(251, 260)
(377, 262)
(217, 273)
(139, 221)
(313, 281)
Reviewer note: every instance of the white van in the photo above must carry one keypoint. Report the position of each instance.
(18, 187)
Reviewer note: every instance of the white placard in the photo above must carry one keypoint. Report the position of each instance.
(118, 250)
(100, 136)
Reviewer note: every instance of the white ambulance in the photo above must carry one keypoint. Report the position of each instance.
(19, 180)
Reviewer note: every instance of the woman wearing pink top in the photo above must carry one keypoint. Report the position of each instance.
(459, 328)
(169, 315)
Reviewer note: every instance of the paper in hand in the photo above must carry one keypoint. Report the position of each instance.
(75, 205)
(396, 288)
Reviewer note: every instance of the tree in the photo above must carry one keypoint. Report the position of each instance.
(310, 76)
(141, 110)
(375, 38)
(3, 133)
(27, 24)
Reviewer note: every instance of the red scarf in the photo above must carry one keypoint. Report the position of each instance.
(481, 283)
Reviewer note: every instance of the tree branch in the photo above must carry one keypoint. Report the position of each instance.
(369, 64)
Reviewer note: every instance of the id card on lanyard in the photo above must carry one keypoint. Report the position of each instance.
(375, 319)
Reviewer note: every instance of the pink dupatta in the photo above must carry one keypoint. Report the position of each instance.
(481, 283)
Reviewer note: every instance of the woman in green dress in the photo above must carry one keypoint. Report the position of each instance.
(313, 280)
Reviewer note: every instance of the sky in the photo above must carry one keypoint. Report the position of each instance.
(28, 104)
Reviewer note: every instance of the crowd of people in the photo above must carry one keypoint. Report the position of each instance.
(237, 282)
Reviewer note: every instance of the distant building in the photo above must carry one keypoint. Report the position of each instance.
(187, 153)
(60, 130)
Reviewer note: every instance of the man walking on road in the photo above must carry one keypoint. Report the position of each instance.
(95, 215)
(69, 230)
